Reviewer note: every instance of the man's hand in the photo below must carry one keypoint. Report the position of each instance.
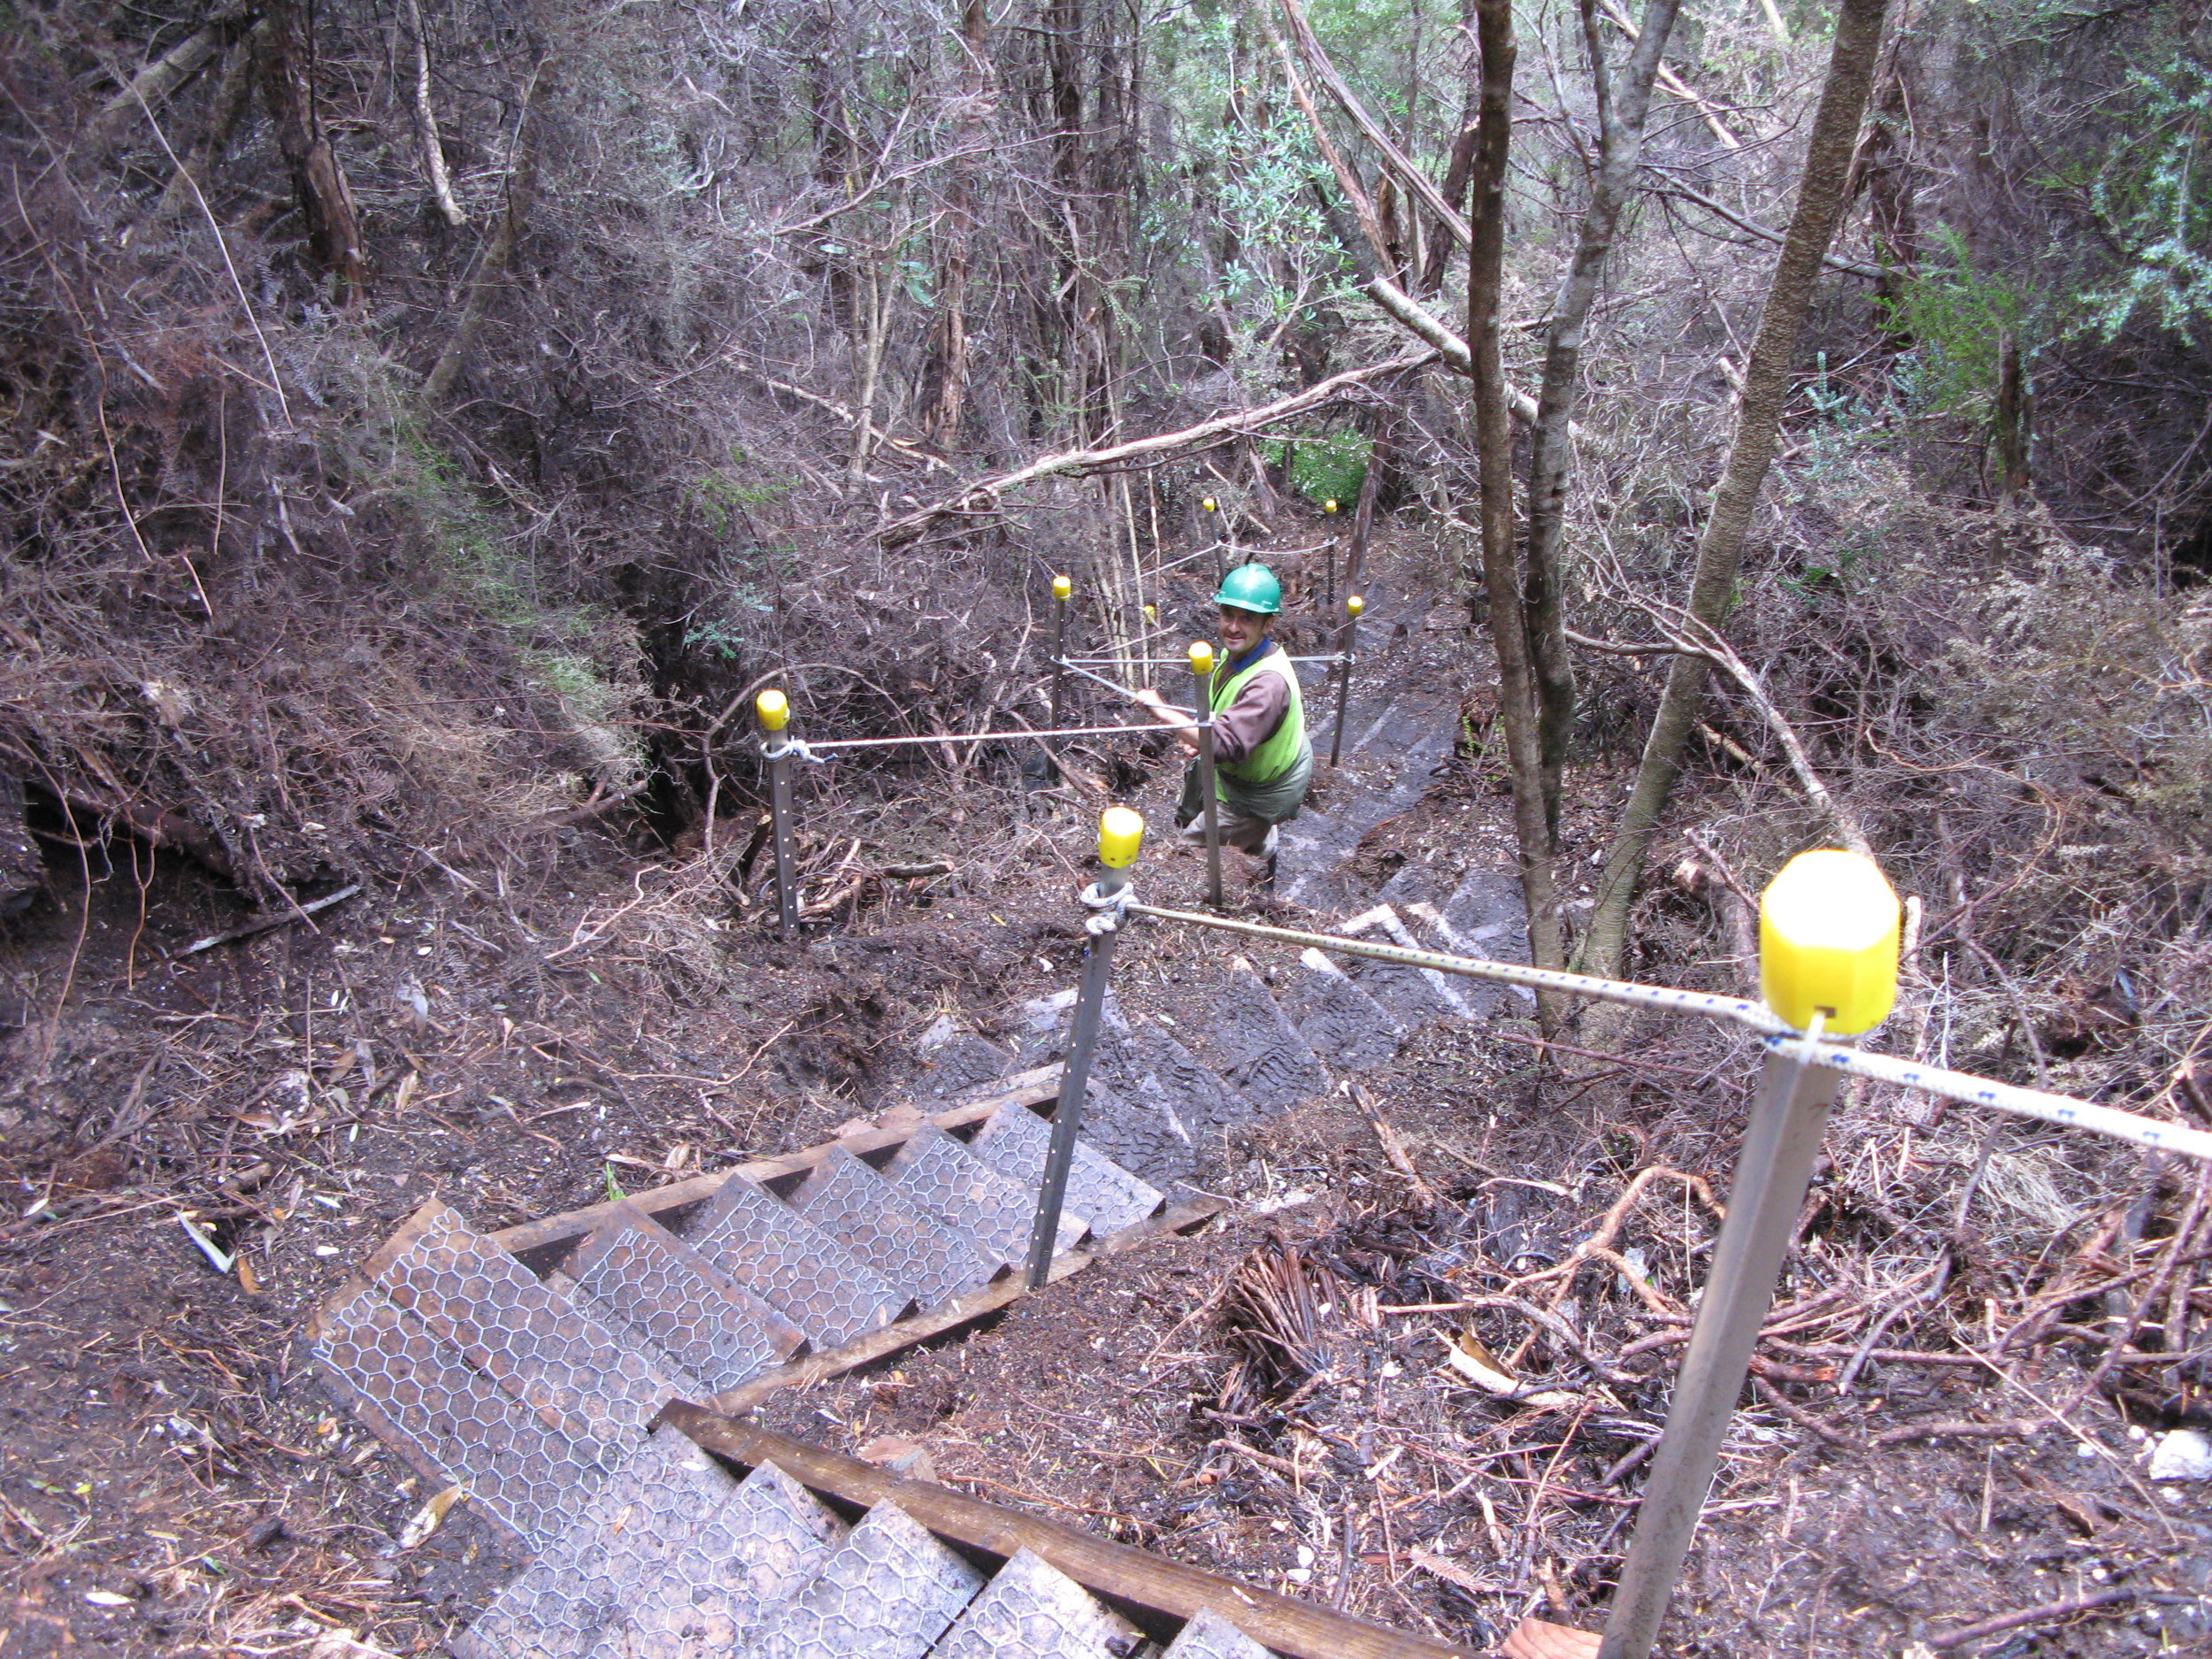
(1150, 698)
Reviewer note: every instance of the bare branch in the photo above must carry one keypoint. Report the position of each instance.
(983, 498)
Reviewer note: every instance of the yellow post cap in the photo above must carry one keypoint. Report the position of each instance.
(1207, 503)
(1329, 506)
(1202, 658)
(1062, 587)
(1152, 613)
(1354, 604)
(774, 709)
(1828, 940)
(1120, 834)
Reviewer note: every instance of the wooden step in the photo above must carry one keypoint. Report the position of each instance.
(458, 1424)
(1210, 1636)
(671, 1556)
(953, 1186)
(1030, 1610)
(554, 1356)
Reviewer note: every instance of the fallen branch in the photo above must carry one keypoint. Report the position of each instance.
(263, 924)
(983, 498)
(1410, 178)
(1764, 233)
(1710, 646)
(1417, 320)
(2045, 1613)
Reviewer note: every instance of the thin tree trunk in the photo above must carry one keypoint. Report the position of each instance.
(151, 87)
(234, 93)
(1767, 381)
(1621, 112)
(1494, 441)
(426, 124)
(2011, 420)
(1457, 171)
(499, 247)
(948, 352)
(334, 230)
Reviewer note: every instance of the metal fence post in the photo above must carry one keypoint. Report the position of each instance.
(774, 710)
(1773, 1172)
(1063, 591)
(1353, 605)
(1201, 667)
(1828, 940)
(1221, 566)
(1120, 834)
(1328, 564)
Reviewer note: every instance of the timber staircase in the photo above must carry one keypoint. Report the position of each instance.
(546, 1369)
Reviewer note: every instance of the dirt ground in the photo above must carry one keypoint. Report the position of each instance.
(518, 1041)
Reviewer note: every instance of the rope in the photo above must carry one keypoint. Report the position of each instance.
(2023, 1103)
(1770, 1027)
(1111, 909)
(1077, 663)
(1751, 1015)
(796, 750)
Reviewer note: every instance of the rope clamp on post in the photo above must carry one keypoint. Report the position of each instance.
(1829, 930)
(773, 711)
(1201, 665)
(1120, 838)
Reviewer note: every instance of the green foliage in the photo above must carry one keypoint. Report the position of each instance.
(467, 557)
(721, 494)
(1954, 315)
(2153, 198)
(1329, 466)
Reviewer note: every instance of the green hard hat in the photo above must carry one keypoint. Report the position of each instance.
(1251, 588)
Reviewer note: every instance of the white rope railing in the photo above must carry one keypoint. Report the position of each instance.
(1774, 1031)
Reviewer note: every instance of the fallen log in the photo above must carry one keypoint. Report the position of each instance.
(983, 498)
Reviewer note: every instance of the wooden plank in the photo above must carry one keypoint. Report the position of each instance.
(975, 1305)
(1296, 1628)
(1024, 1089)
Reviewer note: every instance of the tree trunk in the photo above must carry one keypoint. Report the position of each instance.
(946, 405)
(334, 231)
(2012, 420)
(426, 124)
(1493, 440)
(499, 246)
(1767, 381)
(1621, 111)
(233, 93)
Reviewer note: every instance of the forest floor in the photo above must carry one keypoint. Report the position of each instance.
(174, 1480)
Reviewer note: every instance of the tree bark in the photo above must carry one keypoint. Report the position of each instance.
(1621, 110)
(947, 404)
(427, 123)
(334, 230)
(2011, 420)
(1493, 442)
(233, 93)
(1767, 380)
(499, 246)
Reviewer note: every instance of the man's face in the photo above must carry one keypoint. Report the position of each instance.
(1242, 630)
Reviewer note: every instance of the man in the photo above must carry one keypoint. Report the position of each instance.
(1263, 760)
